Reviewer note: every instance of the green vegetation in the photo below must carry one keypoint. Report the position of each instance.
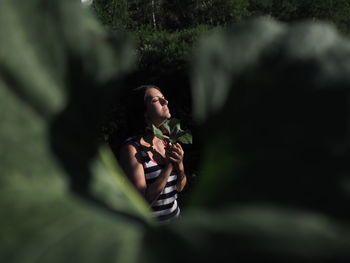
(175, 16)
(166, 32)
(270, 104)
(174, 133)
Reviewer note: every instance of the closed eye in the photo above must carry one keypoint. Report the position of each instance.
(156, 99)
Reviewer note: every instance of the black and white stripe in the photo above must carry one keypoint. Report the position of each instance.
(165, 207)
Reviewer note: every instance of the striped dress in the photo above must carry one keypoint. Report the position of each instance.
(165, 208)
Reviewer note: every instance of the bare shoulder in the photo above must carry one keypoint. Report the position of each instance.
(127, 151)
(132, 165)
(128, 147)
(129, 154)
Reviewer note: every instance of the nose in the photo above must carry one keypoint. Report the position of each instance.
(164, 101)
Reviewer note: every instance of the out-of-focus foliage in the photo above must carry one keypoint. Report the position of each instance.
(275, 100)
(161, 52)
(251, 233)
(189, 14)
(336, 12)
(112, 13)
(174, 15)
(169, 15)
(62, 197)
(268, 140)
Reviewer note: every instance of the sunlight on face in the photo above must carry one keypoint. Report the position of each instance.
(157, 106)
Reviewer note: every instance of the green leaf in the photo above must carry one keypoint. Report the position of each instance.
(175, 132)
(256, 232)
(174, 125)
(264, 110)
(158, 133)
(185, 137)
(166, 126)
(65, 198)
(218, 60)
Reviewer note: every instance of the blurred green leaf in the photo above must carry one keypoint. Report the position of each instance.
(65, 199)
(274, 99)
(252, 233)
(220, 58)
(266, 84)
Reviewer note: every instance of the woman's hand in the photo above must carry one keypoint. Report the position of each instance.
(175, 154)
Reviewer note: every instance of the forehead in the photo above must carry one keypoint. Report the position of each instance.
(152, 92)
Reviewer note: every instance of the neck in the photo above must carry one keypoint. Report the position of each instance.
(148, 137)
(158, 122)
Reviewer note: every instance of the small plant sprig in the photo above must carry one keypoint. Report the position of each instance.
(175, 133)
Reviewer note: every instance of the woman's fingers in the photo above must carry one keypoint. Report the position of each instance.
(176, 156)
(177, 147)
(173, 159)
(174, 152)
(177, 151)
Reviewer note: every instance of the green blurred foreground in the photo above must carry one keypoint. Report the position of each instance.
(274, 183)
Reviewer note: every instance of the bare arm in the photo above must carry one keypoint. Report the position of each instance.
(133, 169)
(182, 179)
(175, 153)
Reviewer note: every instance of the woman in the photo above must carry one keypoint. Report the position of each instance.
(154, 167)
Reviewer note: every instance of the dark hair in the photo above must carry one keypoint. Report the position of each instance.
(135, 110)
(130, 119)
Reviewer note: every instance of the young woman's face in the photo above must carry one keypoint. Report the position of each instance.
(157, 110)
